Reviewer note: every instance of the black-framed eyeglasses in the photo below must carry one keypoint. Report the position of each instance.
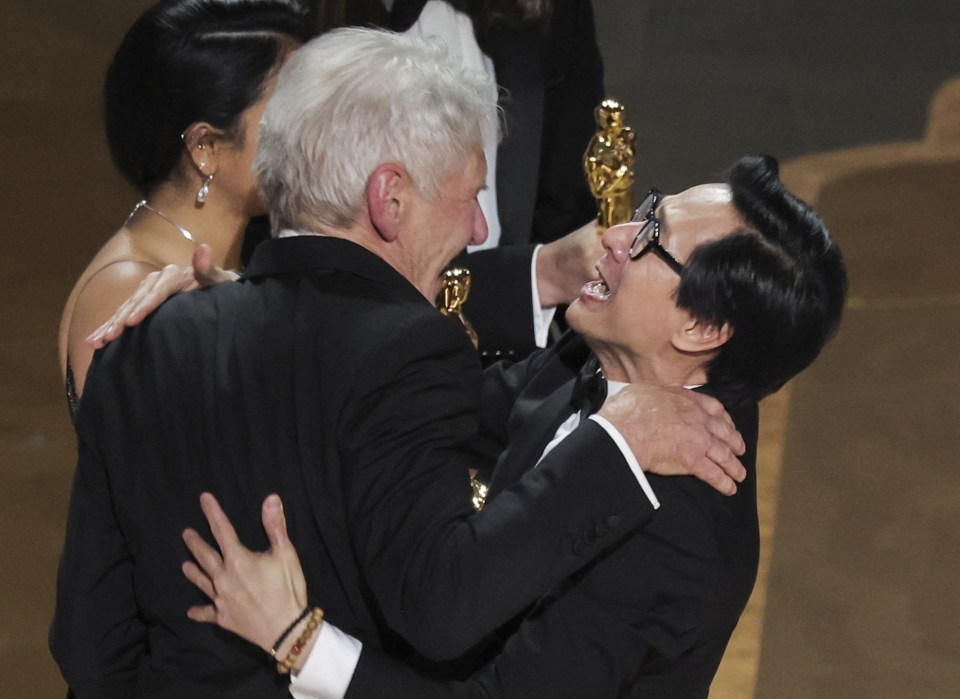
(648, 237)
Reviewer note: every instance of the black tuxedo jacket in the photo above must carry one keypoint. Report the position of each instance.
(650, 618)
(326, 377)
(551, 81)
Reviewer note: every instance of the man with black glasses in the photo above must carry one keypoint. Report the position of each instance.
(742, 290)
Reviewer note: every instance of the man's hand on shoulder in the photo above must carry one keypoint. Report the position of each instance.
(674, 431)
(156, 288)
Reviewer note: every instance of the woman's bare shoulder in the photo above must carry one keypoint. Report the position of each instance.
(97, 295)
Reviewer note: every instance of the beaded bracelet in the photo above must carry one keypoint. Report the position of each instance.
(283, 637)
(316, 618)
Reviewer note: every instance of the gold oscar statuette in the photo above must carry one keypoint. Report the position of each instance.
(608, 163)
(479, 498)
(456, 289)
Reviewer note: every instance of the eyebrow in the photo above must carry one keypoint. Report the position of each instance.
(663, 227)
(662, 217)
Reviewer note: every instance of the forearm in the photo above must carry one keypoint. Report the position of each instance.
(571, 648)
(645, 601)
(470, 575)
(500, 304)
(444, 577)
(565, 265)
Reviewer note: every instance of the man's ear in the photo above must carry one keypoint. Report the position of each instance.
(700, 336)
(204, 144)
(386, 198)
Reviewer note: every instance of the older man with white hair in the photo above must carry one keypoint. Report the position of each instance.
(327, 376)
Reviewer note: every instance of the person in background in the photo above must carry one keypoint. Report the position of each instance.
(182, 103)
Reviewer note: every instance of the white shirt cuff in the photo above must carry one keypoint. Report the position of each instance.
(542, 317)
(328, 669)
(630, 458)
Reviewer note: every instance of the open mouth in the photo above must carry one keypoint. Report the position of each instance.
(596, 289)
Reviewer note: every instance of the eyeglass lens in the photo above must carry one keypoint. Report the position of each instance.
(646, 206)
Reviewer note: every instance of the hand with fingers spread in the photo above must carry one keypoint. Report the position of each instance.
(254, 595)
(156, 288)
(674, 431)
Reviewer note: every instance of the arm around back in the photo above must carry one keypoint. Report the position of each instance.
(443, 576)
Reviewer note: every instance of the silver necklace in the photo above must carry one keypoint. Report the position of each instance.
(183, 231)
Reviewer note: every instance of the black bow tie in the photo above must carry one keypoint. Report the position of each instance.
(590, 389)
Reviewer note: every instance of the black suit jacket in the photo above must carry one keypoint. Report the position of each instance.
(651, 618)
(551, 80)
(323, 376)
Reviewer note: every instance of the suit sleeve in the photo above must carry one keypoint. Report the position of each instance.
(500, 306)
(96, 637)
(606, 632)
(442, 576)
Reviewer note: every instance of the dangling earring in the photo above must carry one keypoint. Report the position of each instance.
(204, 191)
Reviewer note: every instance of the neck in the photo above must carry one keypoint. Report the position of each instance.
(391, 252)
(674, 369)
(214, 223)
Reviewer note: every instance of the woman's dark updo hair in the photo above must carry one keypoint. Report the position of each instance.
(186, 61)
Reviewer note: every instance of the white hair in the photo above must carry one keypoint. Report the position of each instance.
(353, 99)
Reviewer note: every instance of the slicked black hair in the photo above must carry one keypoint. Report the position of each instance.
(185, 61)
(780, 284)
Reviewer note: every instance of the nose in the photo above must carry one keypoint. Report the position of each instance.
(618, 239)
(480, 229)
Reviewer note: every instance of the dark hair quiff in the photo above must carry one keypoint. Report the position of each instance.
(185, 61)
(780, 284)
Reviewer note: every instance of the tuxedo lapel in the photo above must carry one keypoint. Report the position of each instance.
(530, 435)
(540, 409)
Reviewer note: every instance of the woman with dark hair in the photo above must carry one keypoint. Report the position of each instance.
(182, 102)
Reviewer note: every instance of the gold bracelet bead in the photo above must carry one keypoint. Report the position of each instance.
(316, 618)
(283, 637)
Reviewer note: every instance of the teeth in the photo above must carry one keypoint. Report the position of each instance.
(598, 289)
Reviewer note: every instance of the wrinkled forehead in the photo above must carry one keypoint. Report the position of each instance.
(697, 215)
